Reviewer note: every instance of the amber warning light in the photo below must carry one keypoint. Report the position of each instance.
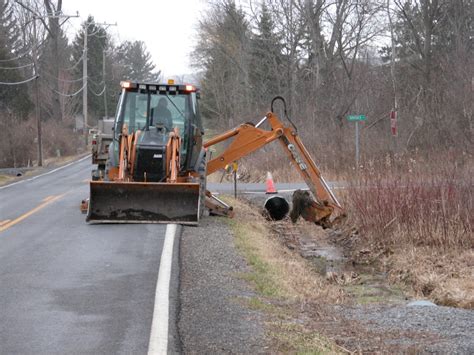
(127, 84)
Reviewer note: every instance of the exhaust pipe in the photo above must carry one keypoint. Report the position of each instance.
(277, 207)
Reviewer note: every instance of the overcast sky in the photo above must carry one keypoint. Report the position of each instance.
(168, 27)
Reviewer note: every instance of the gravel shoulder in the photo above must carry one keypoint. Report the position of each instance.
(213, 317)
(401, 328)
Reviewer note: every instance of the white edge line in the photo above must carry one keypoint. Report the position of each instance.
(159, 327)
(47, 173)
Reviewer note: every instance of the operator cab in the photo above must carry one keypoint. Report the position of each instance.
(156, 110)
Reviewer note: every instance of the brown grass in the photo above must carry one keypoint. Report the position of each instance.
(445, 277)
(291, 277)
(286, 284)
(425, 205)
(421, 214)
(4, 179)
(411, 211)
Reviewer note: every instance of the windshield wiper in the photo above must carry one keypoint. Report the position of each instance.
(182, 114)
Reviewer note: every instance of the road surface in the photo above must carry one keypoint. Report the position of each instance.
(71, 287)
(67, 286)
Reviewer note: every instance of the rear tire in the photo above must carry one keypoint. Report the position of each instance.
(99, 173)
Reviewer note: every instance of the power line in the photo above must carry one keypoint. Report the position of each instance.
(85, 76)
(20, 82)
(17, 57)
(75, 64)
(59, 79)
(70, 80)
(89, 78)
(20, 67)
(99, 94)
(67, 95)
(35, 61)
(25, 53)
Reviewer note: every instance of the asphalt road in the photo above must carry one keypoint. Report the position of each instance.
(67, 286)
(71, 287)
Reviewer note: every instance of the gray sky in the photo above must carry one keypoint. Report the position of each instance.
(168, 27)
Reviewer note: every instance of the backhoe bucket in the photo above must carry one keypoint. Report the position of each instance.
(140, 202)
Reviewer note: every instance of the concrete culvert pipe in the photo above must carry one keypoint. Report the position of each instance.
(277, 207)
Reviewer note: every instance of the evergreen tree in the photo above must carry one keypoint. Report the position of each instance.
(266, 59)
(13, 98)
(135, 62)
(97, 43)
(223, 55)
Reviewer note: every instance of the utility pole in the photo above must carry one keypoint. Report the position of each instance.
(36, 16)
(106, 110)
(84, 79)
(84, 85)
(394, 111)
(106, 113)
(37, 101)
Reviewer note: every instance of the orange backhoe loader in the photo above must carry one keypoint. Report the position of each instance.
(158, 163)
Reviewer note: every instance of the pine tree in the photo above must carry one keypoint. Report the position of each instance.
(13, 98)
(136, 63)
(266, 59)
(223, 55)
(97, 43)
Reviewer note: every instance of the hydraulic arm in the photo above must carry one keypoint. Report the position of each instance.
(248, 138)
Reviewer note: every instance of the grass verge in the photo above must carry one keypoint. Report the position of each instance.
(47, 163)
(285, 283)
(445, 277)
(4, 179)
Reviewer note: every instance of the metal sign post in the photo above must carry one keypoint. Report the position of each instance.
(356, 119)
(357, 144)
(235, 166)
(393, 122)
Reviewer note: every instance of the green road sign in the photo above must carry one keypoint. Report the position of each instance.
(356, 118)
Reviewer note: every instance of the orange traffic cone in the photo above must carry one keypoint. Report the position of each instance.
(270, 184)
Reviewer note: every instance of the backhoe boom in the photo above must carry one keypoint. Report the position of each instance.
(248, 139)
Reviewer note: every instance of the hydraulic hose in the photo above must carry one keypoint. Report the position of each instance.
(284, 110)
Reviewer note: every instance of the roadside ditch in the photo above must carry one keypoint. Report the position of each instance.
(321, 292)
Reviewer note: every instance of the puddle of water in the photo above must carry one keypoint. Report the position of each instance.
(325, 259)
(370, 285)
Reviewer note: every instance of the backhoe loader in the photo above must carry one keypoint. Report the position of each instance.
(158, 162)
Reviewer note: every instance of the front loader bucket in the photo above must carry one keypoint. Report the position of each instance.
(140, 202)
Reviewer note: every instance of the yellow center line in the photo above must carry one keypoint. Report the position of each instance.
(4, 222)
(48, 200)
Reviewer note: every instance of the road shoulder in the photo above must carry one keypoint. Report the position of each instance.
(10, 176)
(213, 315)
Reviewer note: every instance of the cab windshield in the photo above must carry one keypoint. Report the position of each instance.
(145, 110)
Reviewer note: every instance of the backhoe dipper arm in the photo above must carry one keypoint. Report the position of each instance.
(248, 138)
